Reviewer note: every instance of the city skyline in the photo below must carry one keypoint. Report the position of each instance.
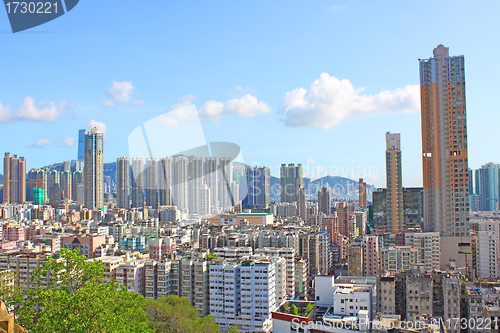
(121, 96)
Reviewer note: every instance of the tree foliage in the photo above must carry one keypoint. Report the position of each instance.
(174, 314)
(211, 256)
(68, 296)
(294, 310)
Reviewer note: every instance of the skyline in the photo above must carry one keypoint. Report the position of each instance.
(249, 70)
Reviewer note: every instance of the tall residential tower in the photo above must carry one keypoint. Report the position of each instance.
(394, 182)
(93, 173)
(444, 143)
(122, 182)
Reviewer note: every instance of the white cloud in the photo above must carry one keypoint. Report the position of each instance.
(310, 160)
(40, 143)
(338, 7)
(69, 142)
(328, 101)
(44, 111)
(101, 127)
(120, 92)
(245, 106)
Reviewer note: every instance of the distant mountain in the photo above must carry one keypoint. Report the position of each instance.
(338, 186)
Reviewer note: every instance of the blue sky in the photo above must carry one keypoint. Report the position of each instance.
(254, 71)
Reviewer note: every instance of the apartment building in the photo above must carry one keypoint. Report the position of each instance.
(243, 292)
(429, 245)
(132, 276)
(399, 258)
(289, 255)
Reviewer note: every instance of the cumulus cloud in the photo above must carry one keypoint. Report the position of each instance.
(120, 91)
(245, 106)
(101, 127)
(40, 143)
(328, 101)
(45, 111)
(310, 160)
(69, 142)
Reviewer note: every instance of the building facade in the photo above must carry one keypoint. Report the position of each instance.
(444, 143)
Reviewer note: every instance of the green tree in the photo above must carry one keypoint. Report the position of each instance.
(68, 296)
(294, 310)
(174, 314)
(211, 256)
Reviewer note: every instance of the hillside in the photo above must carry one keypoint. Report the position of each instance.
(342, 185)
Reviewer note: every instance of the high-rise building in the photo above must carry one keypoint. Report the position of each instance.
(195, 169)
(471, 181)
(259, 188)
(371, 255)
(77, 181)
(487, 262)
(66, 166)
(81, 145)
(137, 182)
(181, 182)
(394, 182)
(14, 179)
(165, 188)
(302, 203)
(122, 182)
(290, 180)
(152, 182)
(444, 143)
(429, 245)
(225, 180)
(211, 180)
(37, 178)
(488, 179)
(324, 201)
(93, 174)
(55, 195)
(362, 192)
(66, 186)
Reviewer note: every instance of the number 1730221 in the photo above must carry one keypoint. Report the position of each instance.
(472, 323)
(31, 7)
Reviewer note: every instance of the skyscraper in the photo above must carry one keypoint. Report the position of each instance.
(166, 170)
(37, 178)
(122, 182)
(181, 182)
(94, 170)
(152, 182)
(489, 188)
(137, 182)
(259, 188)
(77, 181)
(81, 145)
(225, 180)
(195, 183)
(66, 187)
(362, 192)
(211, 180)
(394, 194)
(290, 180)
(14, 179)
(324, 201)
(444, 143)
